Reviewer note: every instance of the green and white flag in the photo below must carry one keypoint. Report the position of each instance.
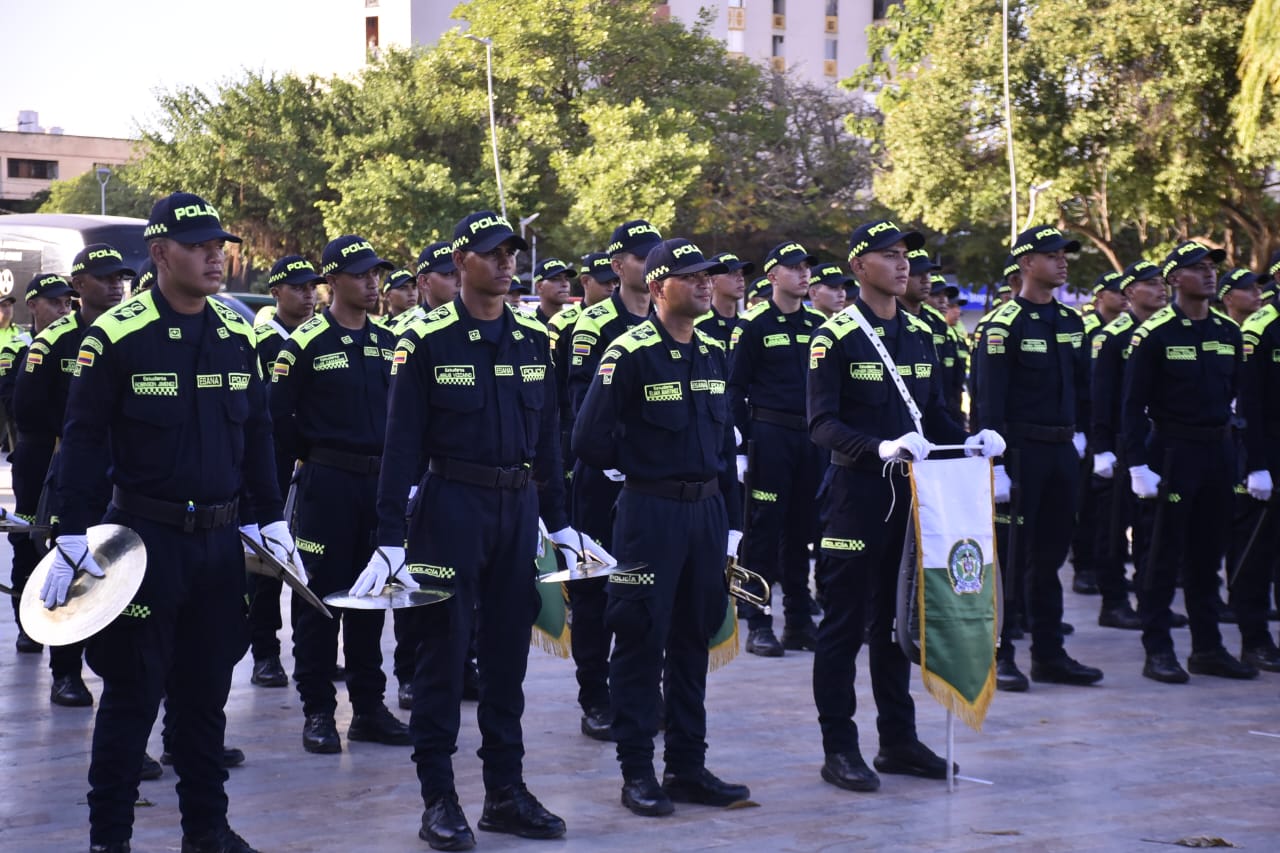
(956, 583)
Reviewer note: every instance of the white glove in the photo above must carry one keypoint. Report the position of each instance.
(986, 443)
(413, 491)
(1001, 485)
(570, 542)
(1144, 481)
(1104, 464)
(737, 437)
(912, 446)
(250, 530)
(1259, 485)
(742, 468)
(615, 475)
(72, 556)
(1080, 443)
(387, 561)
(735, 539)
(277, 539)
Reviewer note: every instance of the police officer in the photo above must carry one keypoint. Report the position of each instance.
(1109, 302)
(759, 290)
(516, 291)
(437, 276)
(474, 398)
(1179, 382)
(399, 295)
(1145, 294)
(168, 405)
(828, 289)
(293, 281)
(595, 491)
(551, 278)
(98, 272)
(859, 415)
(916, 300)
(1259, 404)
(657, 412)
(1033, 388)
(328, 403)
(48, 298)
(1240, 293)
(767, 364)
(727, 290)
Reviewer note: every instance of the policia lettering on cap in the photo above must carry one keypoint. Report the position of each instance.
(663, 385)
(874, 397)
(473, 418)
(182, 455)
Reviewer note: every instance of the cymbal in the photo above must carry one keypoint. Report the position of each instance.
(590, 569)
(260, 561)
(393, 597)
(92, 603)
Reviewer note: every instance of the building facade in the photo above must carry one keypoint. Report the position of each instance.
(31, 162)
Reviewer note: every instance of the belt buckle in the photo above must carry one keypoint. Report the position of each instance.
(189, 518)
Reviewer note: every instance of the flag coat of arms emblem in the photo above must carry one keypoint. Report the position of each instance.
(957, 583)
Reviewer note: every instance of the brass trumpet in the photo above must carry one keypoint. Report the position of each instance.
(740, 578)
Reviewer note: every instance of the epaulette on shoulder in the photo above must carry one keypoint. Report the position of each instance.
(1006, 313)
(754, 311)
(1092, 321)
(644, 335)
(129, 316)
(704, 318)
(1259, 320)
(232, 319)
(437, 318)
(56, 329)
(308, 331)
(917, 324)
(838, 326)
(528, 321)
(1119, 325)
(709, 340)
(1068, 310)
(567, 317)
(816, 315)
(263, 331)
(1156, 320)
(1222, 315)
(927, 310)
(600, 313)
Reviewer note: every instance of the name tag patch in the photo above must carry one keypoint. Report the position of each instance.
(332, 361)
(154, 384)
(663, 392)
(455, 374)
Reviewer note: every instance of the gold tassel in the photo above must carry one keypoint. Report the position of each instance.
(719, 655)
(558, 646)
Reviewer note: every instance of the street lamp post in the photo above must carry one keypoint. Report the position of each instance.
(525, 223)
(493, 124)
(1036, 189)
(104, 175)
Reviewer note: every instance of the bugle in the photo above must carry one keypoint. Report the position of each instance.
(742, 580)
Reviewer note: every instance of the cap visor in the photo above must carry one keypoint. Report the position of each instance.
(496, 240)
(1217, 255)
(191, 238)
(1063, 244)
(604, 276)
(112, 269)
(360, 266)
(709, 267)
(55, 291)
(641, 251)
(301, 279)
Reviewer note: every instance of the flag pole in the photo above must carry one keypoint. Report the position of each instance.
(951, 748)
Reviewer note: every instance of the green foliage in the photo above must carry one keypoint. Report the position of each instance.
(1259, 77)
(83, 194)
(1122, 104)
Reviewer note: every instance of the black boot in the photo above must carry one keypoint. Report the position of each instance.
(444, 826)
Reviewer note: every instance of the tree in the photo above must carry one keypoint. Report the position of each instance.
(1259, 74)
(1122, 106)
(83, 194)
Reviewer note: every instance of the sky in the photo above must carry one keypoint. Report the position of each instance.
(91, 67)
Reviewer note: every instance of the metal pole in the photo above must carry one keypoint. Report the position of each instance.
(951, 748)
(1008, 129)
(104, 175)
(493, 122)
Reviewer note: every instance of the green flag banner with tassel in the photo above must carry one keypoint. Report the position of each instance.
(956, 583)
(551, 628)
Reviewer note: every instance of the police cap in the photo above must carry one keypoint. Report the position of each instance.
(677, 257)
(788, 254)
(598, 266)
(484, 231)
(1188, 253)
(49, 285)
(761, 288)
(146, 276)
(1273, 265)
(438, 257)
(733, 263)
(1010, 267)
(920, 263)
(830, 275)
(1143, 270)
(1237, 279)
(1112, 281)
(1042, 240)
(635, 236)
(295, 270)
(187, 218)
(352, 254)
(100, 259)
(881, 234)
(518, 285)
(397, 279)
(551, 268)
(938, 284)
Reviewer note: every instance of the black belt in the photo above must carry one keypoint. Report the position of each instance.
(37, 437)
(777, 418)
(677, 490)
(1192, 433)
(356, 463)
(189, 516)
(1047, 434)
(480, 475)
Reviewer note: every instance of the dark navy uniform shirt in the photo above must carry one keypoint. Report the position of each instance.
(719, 326)
(597, 327)
(329, 388)
(768, 359)
(560, 331)
(1259, 402)
(1033, 367)
(658, 410)
(486, 401)
(169, 406)
(41, 386)
(853, 404)
(1180, 371)
(12, 352)
(1109, 348)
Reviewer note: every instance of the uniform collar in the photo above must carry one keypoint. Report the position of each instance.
(671, 345)
(468, 322)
